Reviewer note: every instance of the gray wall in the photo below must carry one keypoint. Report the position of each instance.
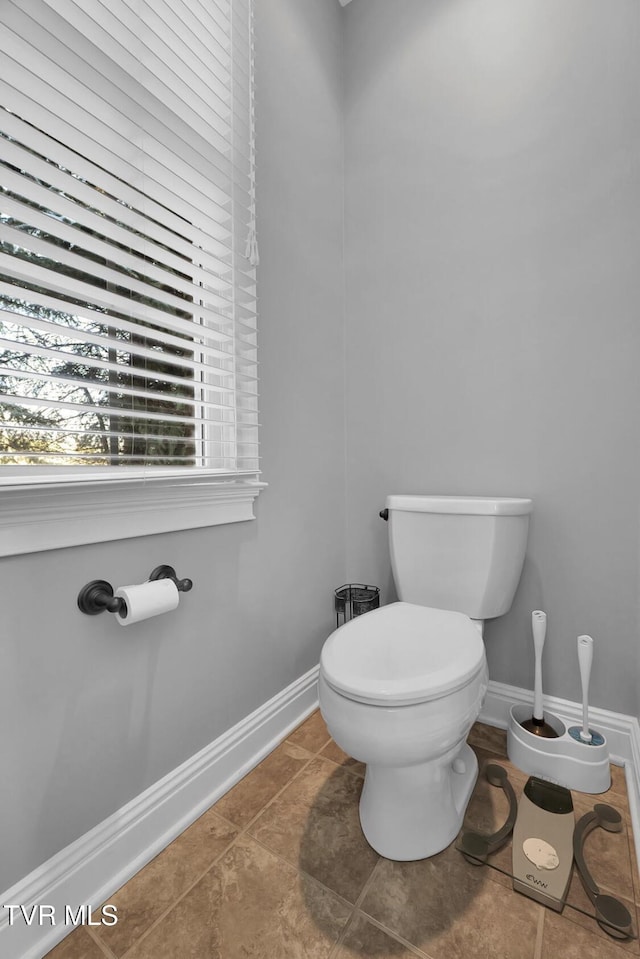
(91, 713)
(492, 235)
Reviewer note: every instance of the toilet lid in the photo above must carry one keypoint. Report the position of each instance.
(402, 654)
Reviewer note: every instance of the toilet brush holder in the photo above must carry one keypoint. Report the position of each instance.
(563, 760)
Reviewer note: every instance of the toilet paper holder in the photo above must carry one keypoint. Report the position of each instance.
(97, 595)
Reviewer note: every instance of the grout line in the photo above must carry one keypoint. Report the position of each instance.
(537, 954)
(101, 945)
(368, 884)
(337, 946)
(313, 752)
(277, 795)
(354, 912)
(302, 872)
(347, 768)
(417, 950)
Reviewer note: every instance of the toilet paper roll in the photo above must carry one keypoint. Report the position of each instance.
(146, 600)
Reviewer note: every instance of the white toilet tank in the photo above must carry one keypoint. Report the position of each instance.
(463, 553)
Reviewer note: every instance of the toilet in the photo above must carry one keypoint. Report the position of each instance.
(401, 686)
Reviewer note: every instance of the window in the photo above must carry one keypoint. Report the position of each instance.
(128, 254)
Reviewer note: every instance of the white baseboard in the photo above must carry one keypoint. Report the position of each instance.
(95, 865)
(621, 732)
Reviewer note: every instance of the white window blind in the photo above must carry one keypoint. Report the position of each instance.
(127, 213)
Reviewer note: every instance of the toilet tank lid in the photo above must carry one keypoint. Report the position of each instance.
(471, 505)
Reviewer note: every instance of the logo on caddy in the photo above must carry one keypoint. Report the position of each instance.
(536, 882)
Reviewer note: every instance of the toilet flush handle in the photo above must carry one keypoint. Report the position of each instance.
(384, 514)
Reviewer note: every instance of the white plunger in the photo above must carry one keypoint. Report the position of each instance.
(537, 724)
(539, 629)
(585, 659)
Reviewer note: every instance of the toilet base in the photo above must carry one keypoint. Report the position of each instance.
(413, 812)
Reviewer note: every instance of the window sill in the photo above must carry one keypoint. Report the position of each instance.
(57, 512)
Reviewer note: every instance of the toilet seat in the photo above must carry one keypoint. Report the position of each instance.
(403, 654)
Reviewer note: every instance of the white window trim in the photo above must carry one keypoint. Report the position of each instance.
(53, 512)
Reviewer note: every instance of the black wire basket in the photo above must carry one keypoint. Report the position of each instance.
(354, 599)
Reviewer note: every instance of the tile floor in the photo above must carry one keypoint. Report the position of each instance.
(279, 869)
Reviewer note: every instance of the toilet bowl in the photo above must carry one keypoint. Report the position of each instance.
(399, 689)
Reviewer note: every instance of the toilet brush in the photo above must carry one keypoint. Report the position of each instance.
(585, 659)
(537, 724)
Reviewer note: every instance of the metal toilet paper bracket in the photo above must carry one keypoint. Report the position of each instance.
(97, 596)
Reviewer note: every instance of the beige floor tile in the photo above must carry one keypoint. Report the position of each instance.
(258, 787)
(312, 734)
(333, 752)
(584, 802)
(250, 905)
(77, 945)
(154, 889)
(564, 939)
(488, 737)
(450, 910)
(363, 938)
(315, 825)
(615, 796)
